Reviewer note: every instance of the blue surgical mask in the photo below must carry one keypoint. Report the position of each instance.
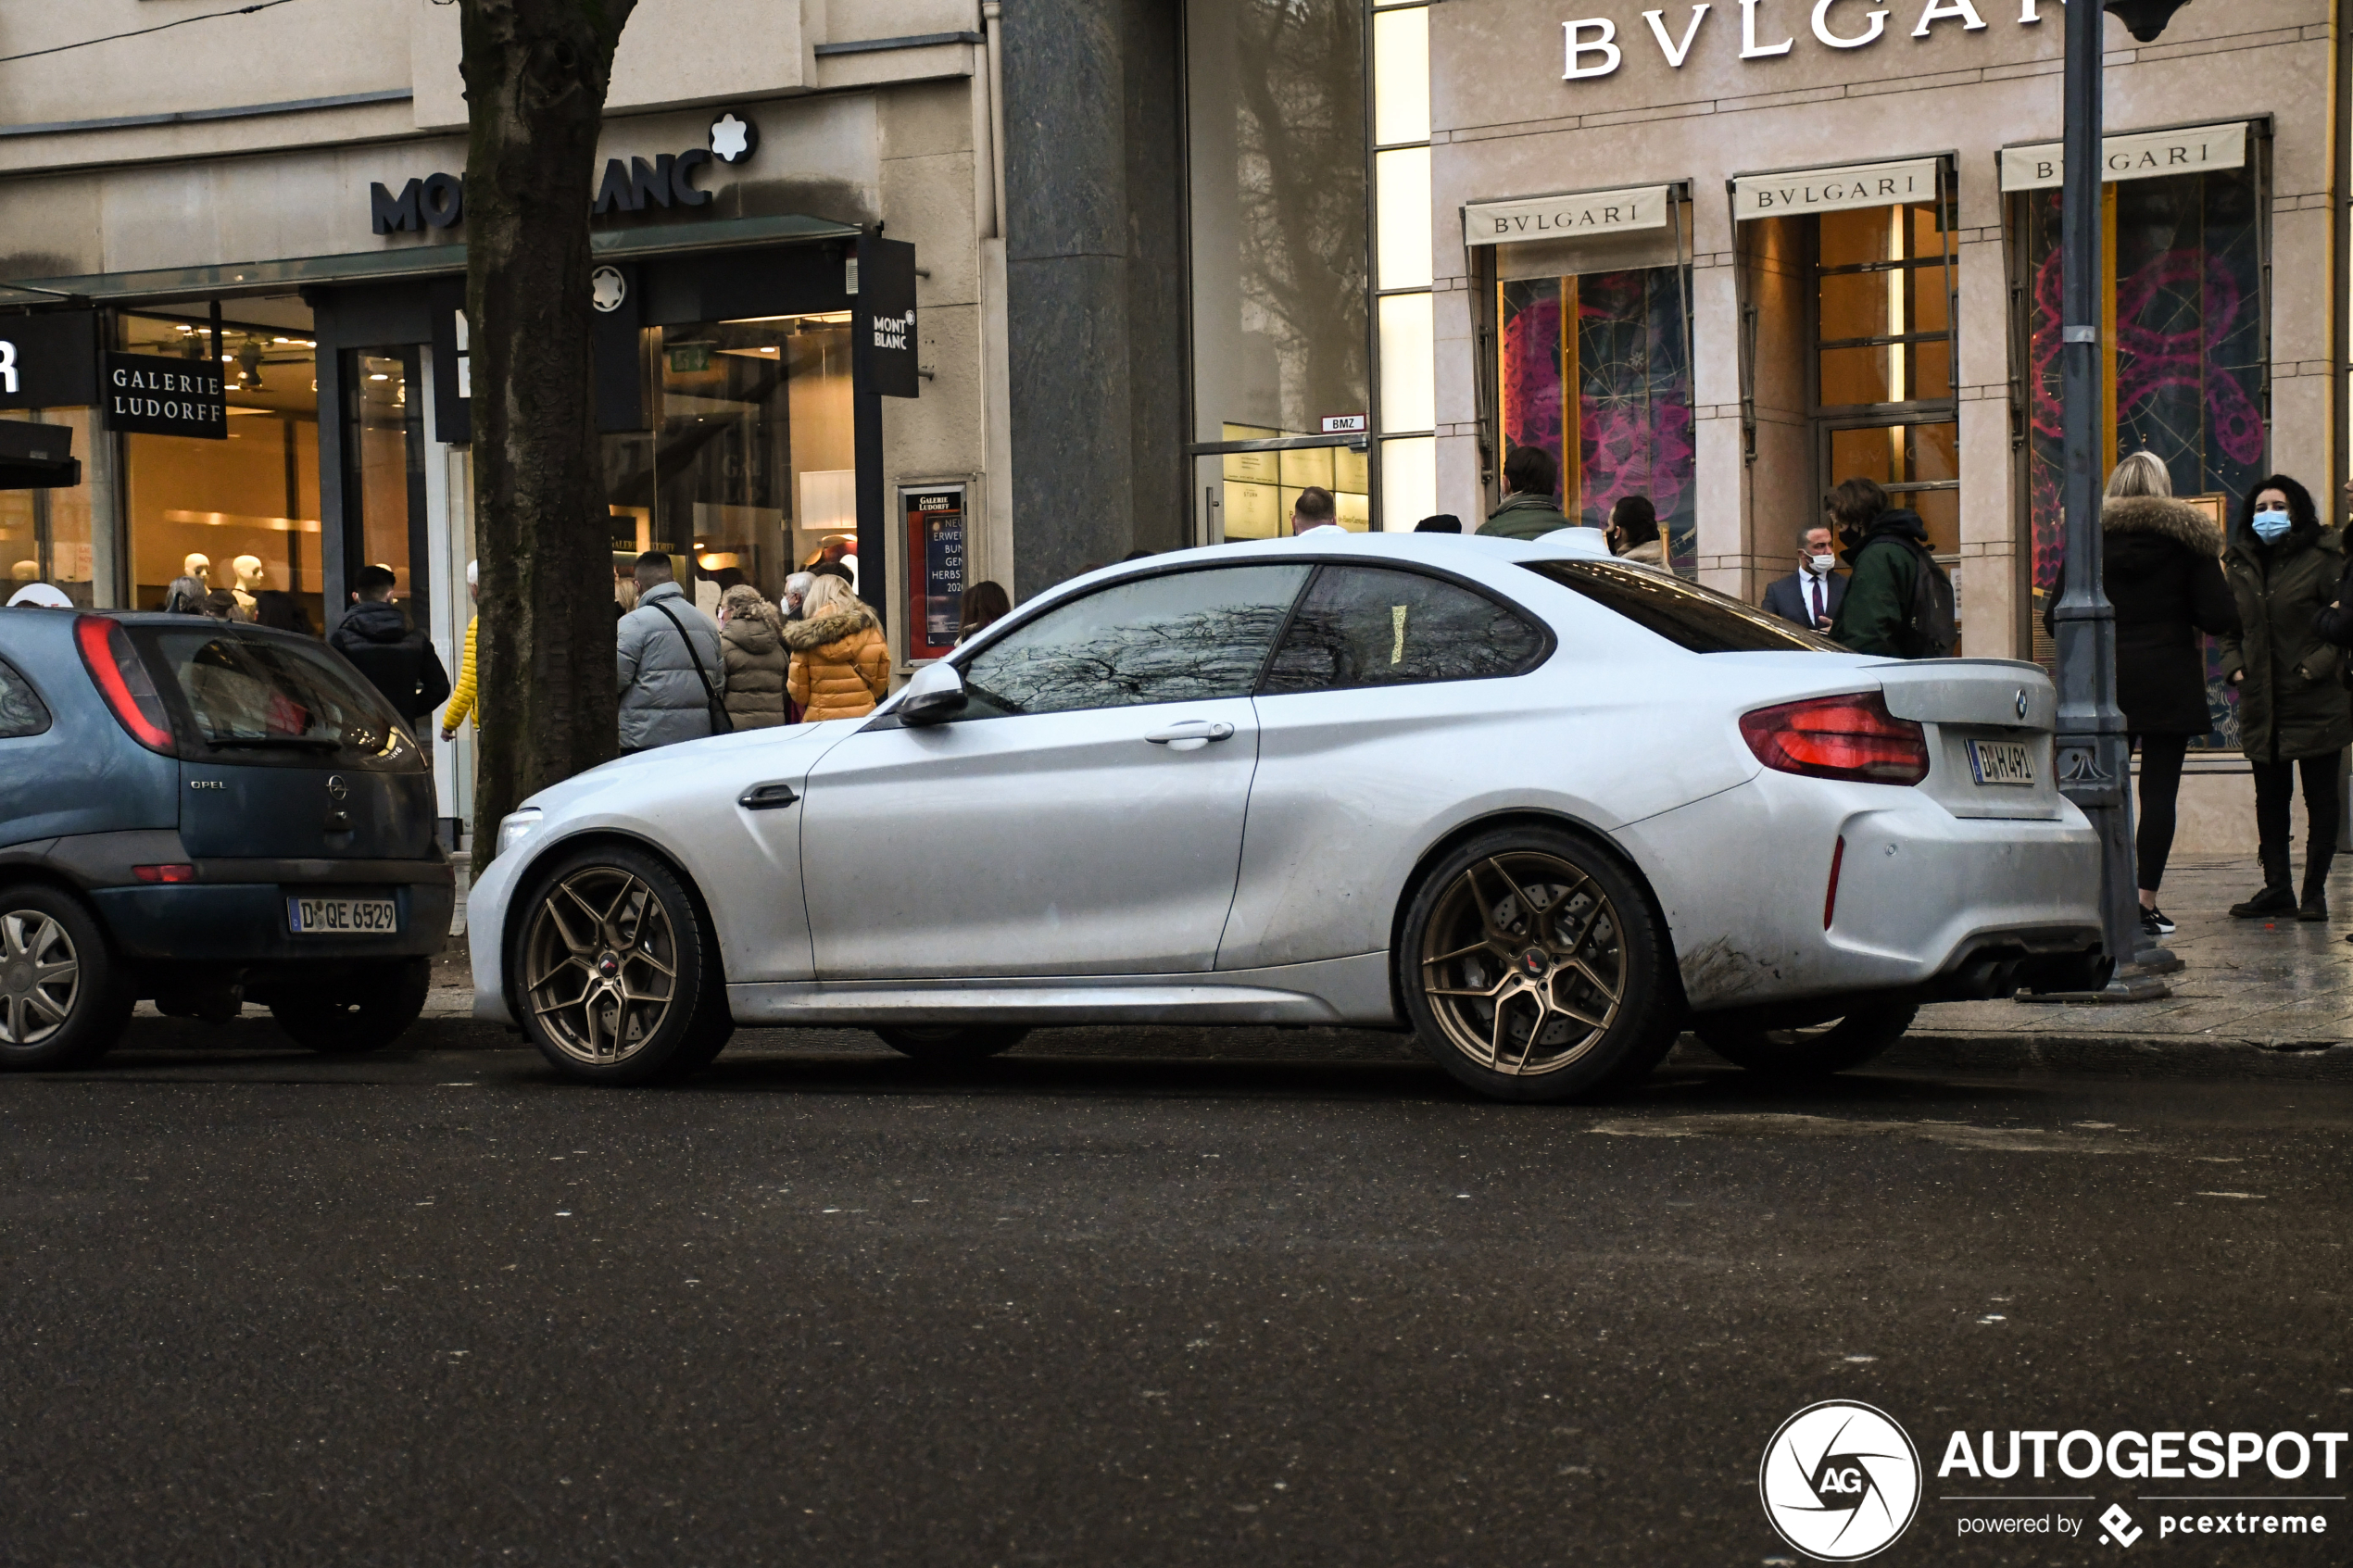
(2270, 524)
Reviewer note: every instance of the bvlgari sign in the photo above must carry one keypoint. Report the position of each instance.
(1769, 29)
(2139, 155)
(1837, 189)
(1565, 218)
(148, 394)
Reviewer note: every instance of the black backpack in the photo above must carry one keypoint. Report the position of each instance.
(1932, 627)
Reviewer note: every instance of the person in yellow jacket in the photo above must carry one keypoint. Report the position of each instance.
(840, 663)
(461, 695)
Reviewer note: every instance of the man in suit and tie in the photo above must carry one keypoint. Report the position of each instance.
(1811, 596)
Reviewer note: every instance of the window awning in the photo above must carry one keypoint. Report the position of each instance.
(1574, 216)
(2136, 155)
(1838, 188)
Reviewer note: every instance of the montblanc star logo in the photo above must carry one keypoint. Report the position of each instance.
(731, 140)
(606, 289)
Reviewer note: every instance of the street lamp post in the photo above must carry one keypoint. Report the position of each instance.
(2093, 752)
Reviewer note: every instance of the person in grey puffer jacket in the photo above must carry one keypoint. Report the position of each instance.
(663, 700)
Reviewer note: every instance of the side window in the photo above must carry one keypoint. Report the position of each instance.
(1371, 626)
(1184, 636)
(22, 713)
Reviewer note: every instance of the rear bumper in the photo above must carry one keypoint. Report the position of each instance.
(245, 922)
(1744, 879)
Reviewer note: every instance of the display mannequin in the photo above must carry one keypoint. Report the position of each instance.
(252, 578)
(198, 567)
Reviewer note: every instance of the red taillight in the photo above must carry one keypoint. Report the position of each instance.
(163, 873)
(123, 682)
(1850, 737)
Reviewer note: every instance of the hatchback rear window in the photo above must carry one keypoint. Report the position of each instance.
(1696, 619)
(266, 695)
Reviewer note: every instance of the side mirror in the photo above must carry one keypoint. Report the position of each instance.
(935, 696)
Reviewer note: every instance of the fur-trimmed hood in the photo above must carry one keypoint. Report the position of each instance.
(2164, 518)
(805, 635)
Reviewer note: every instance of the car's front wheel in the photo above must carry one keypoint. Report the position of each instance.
(1534, 969)
(617, 972)
(64, 999)
(946, 1044)
(1816, 1051)
(364, 1011)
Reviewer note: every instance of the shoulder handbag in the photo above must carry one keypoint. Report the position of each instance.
(720, 723)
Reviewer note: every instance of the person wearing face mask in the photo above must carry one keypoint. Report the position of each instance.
(1812, 594)
(2293, 715)
(1633, 531)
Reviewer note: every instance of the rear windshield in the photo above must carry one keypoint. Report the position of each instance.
(274, 698)
(1696, 619)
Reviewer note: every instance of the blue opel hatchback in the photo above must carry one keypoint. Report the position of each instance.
(205, 814)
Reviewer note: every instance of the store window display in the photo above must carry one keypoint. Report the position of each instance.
(45, 535)
(749, 461)
(239, 514)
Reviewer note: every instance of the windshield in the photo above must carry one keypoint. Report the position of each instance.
(1693, 618)
(265, 696)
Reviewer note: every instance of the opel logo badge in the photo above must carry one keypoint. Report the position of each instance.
(2022, 702)
(336, 787)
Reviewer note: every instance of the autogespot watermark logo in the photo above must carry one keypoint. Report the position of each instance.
(1840, 1481)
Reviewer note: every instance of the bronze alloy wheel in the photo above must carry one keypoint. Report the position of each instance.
(1523, 962)
(600, 964)
(39, 977)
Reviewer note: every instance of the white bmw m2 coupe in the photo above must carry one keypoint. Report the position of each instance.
(1543, 809)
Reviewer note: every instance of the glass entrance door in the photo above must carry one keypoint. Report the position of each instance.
(384, 478)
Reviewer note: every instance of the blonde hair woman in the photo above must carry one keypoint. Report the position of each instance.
(2163, 571)
(840, 663)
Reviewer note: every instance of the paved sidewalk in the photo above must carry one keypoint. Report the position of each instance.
(2281, 984)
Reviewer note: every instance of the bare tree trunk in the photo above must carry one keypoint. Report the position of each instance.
(535, 75)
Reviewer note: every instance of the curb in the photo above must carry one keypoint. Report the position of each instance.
(2206, 1057)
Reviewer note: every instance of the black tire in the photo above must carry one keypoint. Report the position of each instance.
(365, 1011)
(52, 1016)
(946, 1043)
(1796, 1055)
(650, 1003)
(1542, 939)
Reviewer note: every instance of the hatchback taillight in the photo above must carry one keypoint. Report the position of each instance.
(1850, 738)
(123, 680)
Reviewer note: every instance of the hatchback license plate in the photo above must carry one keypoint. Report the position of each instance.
(2001, 762)
(342, 917)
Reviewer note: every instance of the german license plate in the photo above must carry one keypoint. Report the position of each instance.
(342, 917)
(2001, 762)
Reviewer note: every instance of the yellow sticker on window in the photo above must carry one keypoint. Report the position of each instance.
(1397, 625)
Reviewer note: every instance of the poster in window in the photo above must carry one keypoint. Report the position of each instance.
(934, 568)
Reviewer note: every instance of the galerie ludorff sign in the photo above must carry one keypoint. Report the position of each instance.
(1565, 218)
(148, 394)
(2142, 155)
(1835, 190)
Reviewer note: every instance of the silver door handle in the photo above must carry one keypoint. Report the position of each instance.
(1193, 730)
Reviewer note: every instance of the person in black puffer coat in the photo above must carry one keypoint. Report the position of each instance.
(2163, 572)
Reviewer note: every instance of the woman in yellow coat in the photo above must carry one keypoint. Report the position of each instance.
(461, 695)
(841, 661)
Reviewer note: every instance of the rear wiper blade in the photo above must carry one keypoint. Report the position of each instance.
(295, 743)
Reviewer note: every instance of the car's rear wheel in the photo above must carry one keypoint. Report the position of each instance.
(364, 1011)
(944, 1043)
(618, 974)
(1816, 1051)
(1534, 969)
(64, 998)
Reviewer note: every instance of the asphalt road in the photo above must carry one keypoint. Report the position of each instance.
(821, 1307)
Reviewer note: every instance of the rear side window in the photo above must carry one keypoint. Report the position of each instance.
(1695, 618)
(263, 695)
(1182, 636)
(21, 710)
(1373, 626)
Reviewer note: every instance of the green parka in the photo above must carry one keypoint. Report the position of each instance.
(1524, 516)
(2291, 703)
